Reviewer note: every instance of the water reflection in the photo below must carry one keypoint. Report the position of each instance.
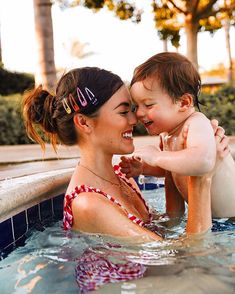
(95, 269)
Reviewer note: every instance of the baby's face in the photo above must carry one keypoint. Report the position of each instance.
(154, 107)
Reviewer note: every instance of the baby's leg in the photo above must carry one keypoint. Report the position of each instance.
(175, 205)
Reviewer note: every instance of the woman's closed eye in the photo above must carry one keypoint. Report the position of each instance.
(124, 112)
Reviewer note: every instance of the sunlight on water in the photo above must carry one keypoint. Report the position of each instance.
(56, 261)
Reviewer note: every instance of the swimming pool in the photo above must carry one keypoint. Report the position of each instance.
(56, 261)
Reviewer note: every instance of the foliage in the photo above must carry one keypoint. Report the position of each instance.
(171, 16)
(166, 23)
(221, 106)
(122, 9)
(12, 129)
(139, 130)
(13, 82)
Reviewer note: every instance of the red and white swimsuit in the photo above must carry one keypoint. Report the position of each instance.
(68, 214)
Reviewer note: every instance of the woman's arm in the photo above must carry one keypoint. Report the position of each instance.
(199, 205)
(199, 192)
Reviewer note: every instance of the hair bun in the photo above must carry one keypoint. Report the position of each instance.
(42, 108)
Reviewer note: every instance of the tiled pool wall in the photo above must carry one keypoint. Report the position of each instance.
(13, 231)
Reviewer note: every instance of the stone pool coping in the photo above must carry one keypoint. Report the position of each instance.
(21, 193)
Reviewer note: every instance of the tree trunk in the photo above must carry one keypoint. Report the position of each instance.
(228, 49)
(45, 73)
(165, 47)
(191, 30)
(0, 48)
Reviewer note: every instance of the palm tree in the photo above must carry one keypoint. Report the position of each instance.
(46, 71)
(0, 47)
(226, 25)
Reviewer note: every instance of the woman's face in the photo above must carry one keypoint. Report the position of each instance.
(114, 126)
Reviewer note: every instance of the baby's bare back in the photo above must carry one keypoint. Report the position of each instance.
(223, 182)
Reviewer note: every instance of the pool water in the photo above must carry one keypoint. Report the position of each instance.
(55, 261)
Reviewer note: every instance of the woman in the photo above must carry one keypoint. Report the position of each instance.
(92, 109)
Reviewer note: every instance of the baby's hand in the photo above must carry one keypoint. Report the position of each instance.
(148, 154)
(131, 166)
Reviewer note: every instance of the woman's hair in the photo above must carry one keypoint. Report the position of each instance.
(175, 73)
(81, 90)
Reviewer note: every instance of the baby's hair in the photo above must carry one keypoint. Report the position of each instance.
(175, 73)
(45, 115)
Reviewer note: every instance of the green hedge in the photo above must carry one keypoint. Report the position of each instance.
(12, 130)
(220, 105)
(13, 82)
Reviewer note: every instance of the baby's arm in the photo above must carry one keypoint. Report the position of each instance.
(134, 166)
(196, 159)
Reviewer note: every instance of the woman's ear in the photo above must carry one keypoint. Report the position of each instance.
(82, 123)
(185, 102)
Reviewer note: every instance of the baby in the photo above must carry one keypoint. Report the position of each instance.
(165, 90)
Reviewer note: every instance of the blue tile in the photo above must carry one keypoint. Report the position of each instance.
(151, 186)
(6, 236)
(33, 215)
(46, 209)
(20, 225)
(58, 204)
(20, 241)
(150, 183)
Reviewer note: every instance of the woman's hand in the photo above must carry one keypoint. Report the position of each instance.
(222, 147)
(222, 142)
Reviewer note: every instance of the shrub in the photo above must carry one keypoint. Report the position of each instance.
(221, 106)
(140, 130)
(13, 82)
(12, 128)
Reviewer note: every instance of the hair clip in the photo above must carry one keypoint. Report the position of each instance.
(66, 106)
(73, 102)
(91, 95)
(81, 97)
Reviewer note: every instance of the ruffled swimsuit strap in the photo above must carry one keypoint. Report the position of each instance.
(118, 172)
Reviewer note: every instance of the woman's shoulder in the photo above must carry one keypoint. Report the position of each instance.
(88, 200)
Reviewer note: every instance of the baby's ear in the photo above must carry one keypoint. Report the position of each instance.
(185, 102)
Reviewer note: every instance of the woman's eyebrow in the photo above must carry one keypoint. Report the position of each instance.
(126, 104)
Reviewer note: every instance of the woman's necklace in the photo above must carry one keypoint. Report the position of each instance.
(122, 185)
(91, 171)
